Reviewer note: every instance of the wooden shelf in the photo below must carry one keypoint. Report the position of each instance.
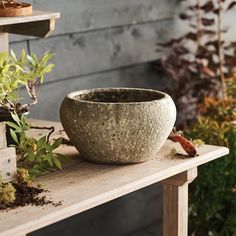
(39, 24)
(83, 185)
(36, 16)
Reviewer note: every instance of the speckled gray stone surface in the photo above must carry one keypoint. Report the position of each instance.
(118, 125)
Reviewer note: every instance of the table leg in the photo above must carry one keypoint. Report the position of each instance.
(4, 44)
(175, 215)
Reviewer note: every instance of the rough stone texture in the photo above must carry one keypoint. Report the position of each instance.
(118, 125)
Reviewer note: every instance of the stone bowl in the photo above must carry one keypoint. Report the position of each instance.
(118, 125)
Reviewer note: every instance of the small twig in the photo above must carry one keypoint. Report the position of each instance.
(220, 55)
(198, 23)
(52, 129)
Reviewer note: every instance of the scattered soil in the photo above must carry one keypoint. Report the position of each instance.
(28, 196)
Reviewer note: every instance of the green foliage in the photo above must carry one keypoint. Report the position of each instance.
(213, 193)
(28, 71)
(36, 155)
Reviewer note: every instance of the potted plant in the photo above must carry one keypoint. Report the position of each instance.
(10, 8)
(26, 72)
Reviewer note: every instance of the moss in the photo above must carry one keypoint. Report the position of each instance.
(23, 177)
(7, 194)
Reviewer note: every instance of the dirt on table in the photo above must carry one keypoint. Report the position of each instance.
(26, 195)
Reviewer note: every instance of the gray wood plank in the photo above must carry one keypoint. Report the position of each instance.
(93, 52)
(80, 15)
(18, 46)
(51, 95)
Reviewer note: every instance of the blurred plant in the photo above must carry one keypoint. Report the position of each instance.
(38, 156)
(200, 60)
(213, 194)
(203, 64)
(28, 71)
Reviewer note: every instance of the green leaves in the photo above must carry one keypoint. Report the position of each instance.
(213, 193)
(37, 155)
(28, 71)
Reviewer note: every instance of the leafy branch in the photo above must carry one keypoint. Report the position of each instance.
(200, 62)
(36, 155)
(28, 71)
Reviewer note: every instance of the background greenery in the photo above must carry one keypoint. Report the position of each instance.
(213, 193)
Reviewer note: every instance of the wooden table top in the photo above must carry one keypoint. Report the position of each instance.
(83, 185)
(36, 16)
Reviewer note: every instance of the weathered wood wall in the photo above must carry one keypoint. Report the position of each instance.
(104, 43)
(99, 45)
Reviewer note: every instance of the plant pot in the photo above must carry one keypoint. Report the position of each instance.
(118, 125)
(7, 117)
(24, 9)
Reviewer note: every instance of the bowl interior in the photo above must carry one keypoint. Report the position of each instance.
(119, 95)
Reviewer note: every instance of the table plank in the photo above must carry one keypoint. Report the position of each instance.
(35, 16)
(85, 185)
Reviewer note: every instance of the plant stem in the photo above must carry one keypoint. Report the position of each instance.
(198, 23)
(52, 129)
(220, 55)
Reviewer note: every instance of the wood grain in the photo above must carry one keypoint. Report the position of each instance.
(8, 164)
(84, 185)
(41, 28)
(36, 16)
(7, 157)
(3, 142)
(100, 51)
(84, 16)
(4, 42)
(175, 217)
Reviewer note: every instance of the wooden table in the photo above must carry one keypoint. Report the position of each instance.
(39, 24)
(83, 185)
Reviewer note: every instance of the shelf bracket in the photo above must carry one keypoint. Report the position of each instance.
(37, 28)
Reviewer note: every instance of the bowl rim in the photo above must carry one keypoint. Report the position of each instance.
(71, 96)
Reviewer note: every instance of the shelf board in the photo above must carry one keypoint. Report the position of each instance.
(36, 16)
(83, 185)
(39, 24)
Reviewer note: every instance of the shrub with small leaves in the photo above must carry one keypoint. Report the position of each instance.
(212, 195)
